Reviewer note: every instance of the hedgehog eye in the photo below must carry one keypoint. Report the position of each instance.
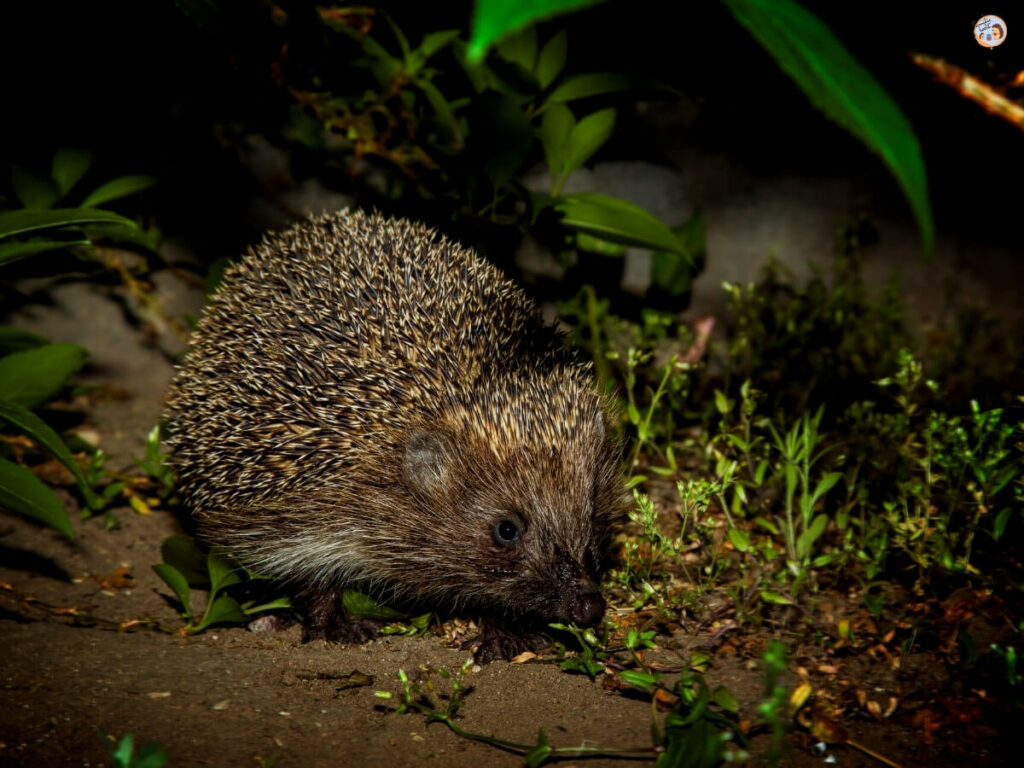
(506, 532)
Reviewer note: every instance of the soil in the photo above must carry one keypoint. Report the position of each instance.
(232, 697)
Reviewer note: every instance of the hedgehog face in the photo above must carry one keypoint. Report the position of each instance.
(524, 526)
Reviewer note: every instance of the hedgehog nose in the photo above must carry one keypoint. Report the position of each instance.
(589, 607)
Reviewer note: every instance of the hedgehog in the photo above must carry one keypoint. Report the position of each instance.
(368, 405)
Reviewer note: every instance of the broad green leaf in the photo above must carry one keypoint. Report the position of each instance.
(837, 84)
(495, 19)
(223, 570)
(19, 249)
(281, 602)
(600, 83)
(26, 494)
(644, 680)
(224, 610)
(552, 59)
(69, 165)
(21, 221)
(176, 581)
(588, 136)
(555, 128)
(32, 377)
(117, 188)
(187, 558)
(805, 543)
(520, 49)
(613, 219)
(30, 424)
(17, 340)
(740, 539)
(122, 755)
(33, 191)
(362, 605)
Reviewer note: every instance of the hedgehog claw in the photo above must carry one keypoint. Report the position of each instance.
(498, 642)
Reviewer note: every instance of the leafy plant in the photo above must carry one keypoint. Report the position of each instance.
(186, 566)
(123, 754)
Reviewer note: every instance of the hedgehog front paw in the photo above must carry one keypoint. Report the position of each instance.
(500, 642)
(343, 629)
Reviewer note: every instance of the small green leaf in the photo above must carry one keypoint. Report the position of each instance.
(592, 244)
(176, 581)
(740, 539)
(600, 83)
(69, 165)
(837, 84)
(435, 41)
(251, 610)
(223, 570)
(14, 249)
(442, 110)
(33, 191)
(151, 756)
(223, 610)
(723, 697)
(610, 218)
(805, 542)
(552, 59)
(187, 558)
(32, 377)
(673, 272)
(26, 494)
(362, 605)
(122, 754)
(21, 221)
(117, 188)
(722, 403)
(643, 680)
(588, 136)
(494, 19)
(30, 424)
(775, 597)
(825, 485)
(555, 128)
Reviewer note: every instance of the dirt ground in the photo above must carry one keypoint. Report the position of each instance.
(230, 697)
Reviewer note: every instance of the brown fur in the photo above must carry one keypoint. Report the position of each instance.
(364, 401)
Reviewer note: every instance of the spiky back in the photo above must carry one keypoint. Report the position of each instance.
(325, 347)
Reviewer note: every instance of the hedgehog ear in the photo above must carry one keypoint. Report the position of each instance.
(425, 464)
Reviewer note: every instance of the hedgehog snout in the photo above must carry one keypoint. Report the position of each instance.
(586, 605)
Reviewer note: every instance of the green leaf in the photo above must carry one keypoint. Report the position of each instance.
(805, 543)
(176, 581)
(610, 218)
(588, 136)
(592, 244)
(26, 494)
(33, 377)
(14, 250)
(117, 188)
(435, 41)
(555, 128)
(824, 486)
(273, 605)
(17, 340)
(520, 49)
(187, 558)
(722, 403)
(122, 755)
(740, 539)
(643, 680)
(552, 59)
(724, 698)
(775, 597)
(69, 165)
(151, 756)
(223, 610)
(837, 84)
(601, 83)
(21, 221)
(362, 605)
(442, 109)
(495, 19)
(30, 424)
(33, 191)
(223, 570)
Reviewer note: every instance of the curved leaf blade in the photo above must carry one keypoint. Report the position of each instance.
(17, 249)
(32, 377)
(118, 188)
(601, 83)
(26, 494)
(69, 165)
(30, 424)
(494, 19)
(806, 50)
(610, 218)
(24, 220)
